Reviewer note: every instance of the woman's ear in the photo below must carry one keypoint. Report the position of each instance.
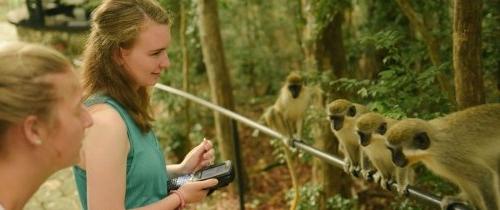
(118, 56)
(32, 130)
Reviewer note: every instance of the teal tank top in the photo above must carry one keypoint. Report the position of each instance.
(146, 178)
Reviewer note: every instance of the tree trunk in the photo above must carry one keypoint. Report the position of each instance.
(334, 39)
(218, 74)
(185, 80)
(431, 42)
(330, 178)
(469, 85)
(331, 52)
(356, 19)
(496, 14)
(307, 36)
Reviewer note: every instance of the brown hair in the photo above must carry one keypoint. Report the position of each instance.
(116, 24)
(24, 90)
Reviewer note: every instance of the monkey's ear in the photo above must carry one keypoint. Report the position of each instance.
(352, 111)
(421, 141)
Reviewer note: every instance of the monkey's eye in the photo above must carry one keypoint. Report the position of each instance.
(352, 111)
(382, 128)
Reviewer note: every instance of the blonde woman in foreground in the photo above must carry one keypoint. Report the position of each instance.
(42, 119)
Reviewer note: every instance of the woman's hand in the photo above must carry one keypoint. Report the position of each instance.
(199, 157)
(195, 191)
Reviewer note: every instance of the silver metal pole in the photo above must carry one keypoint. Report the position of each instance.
(336, 161)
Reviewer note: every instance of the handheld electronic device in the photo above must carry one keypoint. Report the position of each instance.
(222, 172)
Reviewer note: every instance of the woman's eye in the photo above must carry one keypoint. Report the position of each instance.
(157, 53)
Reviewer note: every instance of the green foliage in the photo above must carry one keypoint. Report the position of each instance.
(338, 202)
(491, 49)
(278, 152)
(309, 194)
(91, 4)
(433, 183)
(325, 11)
(258, 47)
(406, 204)
(400, 90)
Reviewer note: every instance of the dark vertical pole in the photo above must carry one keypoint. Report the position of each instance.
(237, 157)
(36, 14)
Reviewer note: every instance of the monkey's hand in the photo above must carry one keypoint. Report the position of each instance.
(402, 189)
(368, 174)
(377, 177)
(450, 200)
(385, 183)
(350, 168)
(347, 165)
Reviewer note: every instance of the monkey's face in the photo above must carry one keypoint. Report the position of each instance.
(408, 140)
(398, 157)
(370, 124)
(338, 111)
(364, 138)
(294, 89)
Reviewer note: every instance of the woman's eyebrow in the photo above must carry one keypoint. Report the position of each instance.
(157, 50)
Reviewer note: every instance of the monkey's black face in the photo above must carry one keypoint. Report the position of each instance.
(336, 122)
(295, 90)
(364, 138)
(398, 158)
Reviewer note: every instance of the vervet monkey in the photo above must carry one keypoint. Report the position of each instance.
(291, 105)
(293, 101)
(463, 147)
(286, 116)
(371, 128)
(342, 115)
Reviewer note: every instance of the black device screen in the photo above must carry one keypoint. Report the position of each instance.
(212, 172)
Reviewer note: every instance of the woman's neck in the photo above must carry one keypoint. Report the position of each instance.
(20, 177)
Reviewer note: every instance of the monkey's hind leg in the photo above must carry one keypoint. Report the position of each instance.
(352, 160)
(367, 169)
(488, 189)
(477, 187)
(404, 177)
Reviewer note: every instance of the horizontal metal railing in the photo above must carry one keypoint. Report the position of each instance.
(329, 158)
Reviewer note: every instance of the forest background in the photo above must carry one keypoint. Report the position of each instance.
(401, 58)
(398, 57)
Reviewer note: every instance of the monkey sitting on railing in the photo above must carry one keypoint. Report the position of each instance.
(286, 116)
(371, 128)
(463, 147)
(290, 106)
(342, 115)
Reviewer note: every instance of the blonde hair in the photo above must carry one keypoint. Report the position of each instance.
(23, 89)
(116, 24)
